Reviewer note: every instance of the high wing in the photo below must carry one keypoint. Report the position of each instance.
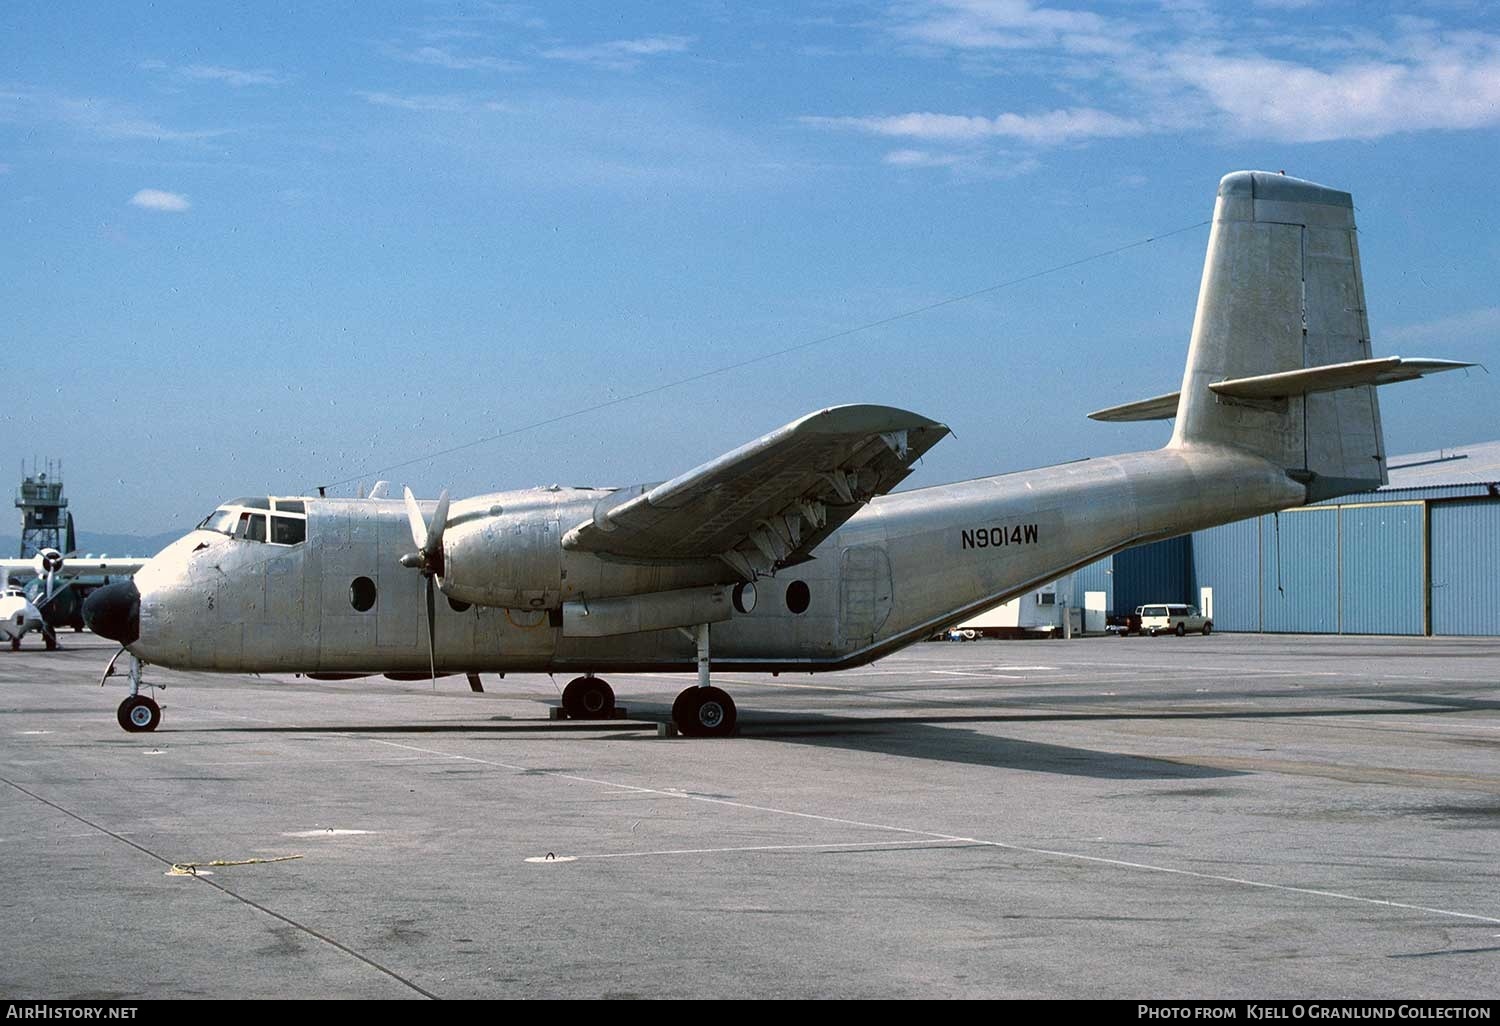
(767, 504)
(71, 566)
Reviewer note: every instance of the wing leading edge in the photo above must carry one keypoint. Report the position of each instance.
(769, 503)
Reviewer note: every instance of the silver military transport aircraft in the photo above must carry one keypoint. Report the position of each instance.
(789, 553)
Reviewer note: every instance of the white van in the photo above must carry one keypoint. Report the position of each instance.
(1164, 617)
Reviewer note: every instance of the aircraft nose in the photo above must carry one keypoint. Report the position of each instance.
(114, 612)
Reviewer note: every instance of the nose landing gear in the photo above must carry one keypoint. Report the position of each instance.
(138, 714)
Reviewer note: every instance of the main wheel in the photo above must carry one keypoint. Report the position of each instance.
(588, 698)
(1208, 628)
(1181, 630)
(705, 712)
(50, 639)
(139, 714)
(15, 644)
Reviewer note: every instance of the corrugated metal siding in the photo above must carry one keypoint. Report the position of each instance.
(1097, 576)
(1465, 567)
(1380, 569)
(1227, 559)
(1435, 492)
(1299, 590)
(1153, 573)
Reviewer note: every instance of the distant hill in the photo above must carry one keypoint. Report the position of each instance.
(96, 544)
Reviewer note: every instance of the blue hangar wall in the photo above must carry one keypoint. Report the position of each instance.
(1398, 561)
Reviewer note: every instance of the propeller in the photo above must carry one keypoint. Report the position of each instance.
(48, 562)
(429, 560)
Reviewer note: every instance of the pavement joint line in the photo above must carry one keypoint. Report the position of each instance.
(226, 891)
(980, 674)
(1025, 849)
(827, 846)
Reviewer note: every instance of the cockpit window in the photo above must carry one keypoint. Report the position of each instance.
(252, 527)
(245, 524)
(288, 530)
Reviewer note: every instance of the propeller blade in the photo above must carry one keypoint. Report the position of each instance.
(434, 543)
(431, 633)
(418, 524)
(48, 593)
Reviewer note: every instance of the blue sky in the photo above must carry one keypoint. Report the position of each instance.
(258, 248)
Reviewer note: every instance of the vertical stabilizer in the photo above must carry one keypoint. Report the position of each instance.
(1282, 291)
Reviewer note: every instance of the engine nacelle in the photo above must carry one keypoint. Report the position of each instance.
(507, 558)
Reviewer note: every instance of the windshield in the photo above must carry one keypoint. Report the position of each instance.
(243, 520)
(221, 520)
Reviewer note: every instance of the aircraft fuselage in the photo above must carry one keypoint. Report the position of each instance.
(341, 602)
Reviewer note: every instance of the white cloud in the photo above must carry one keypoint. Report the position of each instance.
(100, 116)
(1013, 25)
(1443, 87)
(232, 76)
(1183, 66)
(436, 56)
(620, 54)
(921, 158)
(156, 199)
(1046, 129)
(441, 104)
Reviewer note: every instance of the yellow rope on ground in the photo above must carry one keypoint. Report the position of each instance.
(191, 868)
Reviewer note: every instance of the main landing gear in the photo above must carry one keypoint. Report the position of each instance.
(588, 698)
(704, 710)
(138, 714)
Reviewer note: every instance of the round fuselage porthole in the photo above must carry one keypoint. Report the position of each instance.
(798, 597)
(362, 594)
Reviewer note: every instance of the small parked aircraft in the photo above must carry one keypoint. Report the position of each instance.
(18, 614)
(56, 576)
(789, 553)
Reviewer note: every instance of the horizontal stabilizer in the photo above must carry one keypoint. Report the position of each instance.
(1385, 371)
(1161, 407)
(1331, 377)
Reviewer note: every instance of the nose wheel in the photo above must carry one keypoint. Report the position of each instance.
(139, 714)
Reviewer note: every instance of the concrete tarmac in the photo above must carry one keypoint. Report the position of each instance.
(1235, 816)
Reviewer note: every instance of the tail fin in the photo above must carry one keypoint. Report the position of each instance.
(1282, 291)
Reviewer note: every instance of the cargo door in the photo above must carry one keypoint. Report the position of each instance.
(865, 594)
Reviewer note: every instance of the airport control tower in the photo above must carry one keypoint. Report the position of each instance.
(45, 521)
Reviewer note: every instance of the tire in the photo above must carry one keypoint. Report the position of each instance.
(15, 644)
(588, 698)
(138, 714)
(1181, 630)
(1208, 627)
(705, 712)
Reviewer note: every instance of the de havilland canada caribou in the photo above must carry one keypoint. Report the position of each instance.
(790, 553)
